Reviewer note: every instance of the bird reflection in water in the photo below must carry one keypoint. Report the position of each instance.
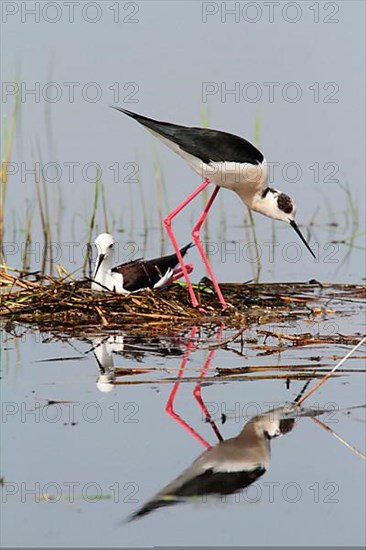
(106, 347)
(232, 464)
(103, 349)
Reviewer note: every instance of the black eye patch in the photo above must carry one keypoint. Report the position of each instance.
(284, 203)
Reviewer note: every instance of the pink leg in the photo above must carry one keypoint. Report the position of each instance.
(197, 389)
(196, 238)
(198, 397)
(169, 406)
(168, 222)
(178, 274)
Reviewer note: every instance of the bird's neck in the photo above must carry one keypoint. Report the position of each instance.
(256, 443)
(104, 356)
(256, 429)
(103, 270)
(251, 430)
(263, 204)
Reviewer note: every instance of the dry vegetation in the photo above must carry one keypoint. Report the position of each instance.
(69, 306)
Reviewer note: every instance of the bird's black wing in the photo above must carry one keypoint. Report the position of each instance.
(219, 483)
(140, 274)
(208, 145)
(207, 483)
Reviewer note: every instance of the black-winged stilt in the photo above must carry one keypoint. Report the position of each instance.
(137, 274)
(231, 465)
(227, 161)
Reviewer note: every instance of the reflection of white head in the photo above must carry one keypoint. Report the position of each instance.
(105, 383)
(103, 349)
(273, 423)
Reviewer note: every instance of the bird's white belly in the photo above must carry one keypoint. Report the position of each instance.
(235, 175)
(110, 281)
(244, 178)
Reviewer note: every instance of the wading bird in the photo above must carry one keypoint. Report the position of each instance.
(226, 161)
(136, 275)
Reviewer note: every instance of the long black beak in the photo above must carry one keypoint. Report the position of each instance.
(100, 261)
(295, 226)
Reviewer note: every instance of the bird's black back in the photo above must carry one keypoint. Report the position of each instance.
(206, 144)
(207, 483)
(140, 274)
(219, 483)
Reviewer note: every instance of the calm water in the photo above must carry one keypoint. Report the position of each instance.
(303, 80)
(116, 442)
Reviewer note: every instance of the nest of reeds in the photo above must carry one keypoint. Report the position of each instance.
(59, 304)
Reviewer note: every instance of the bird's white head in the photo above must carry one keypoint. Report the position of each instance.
(276, 205)
(279, 206)
(104, 243)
